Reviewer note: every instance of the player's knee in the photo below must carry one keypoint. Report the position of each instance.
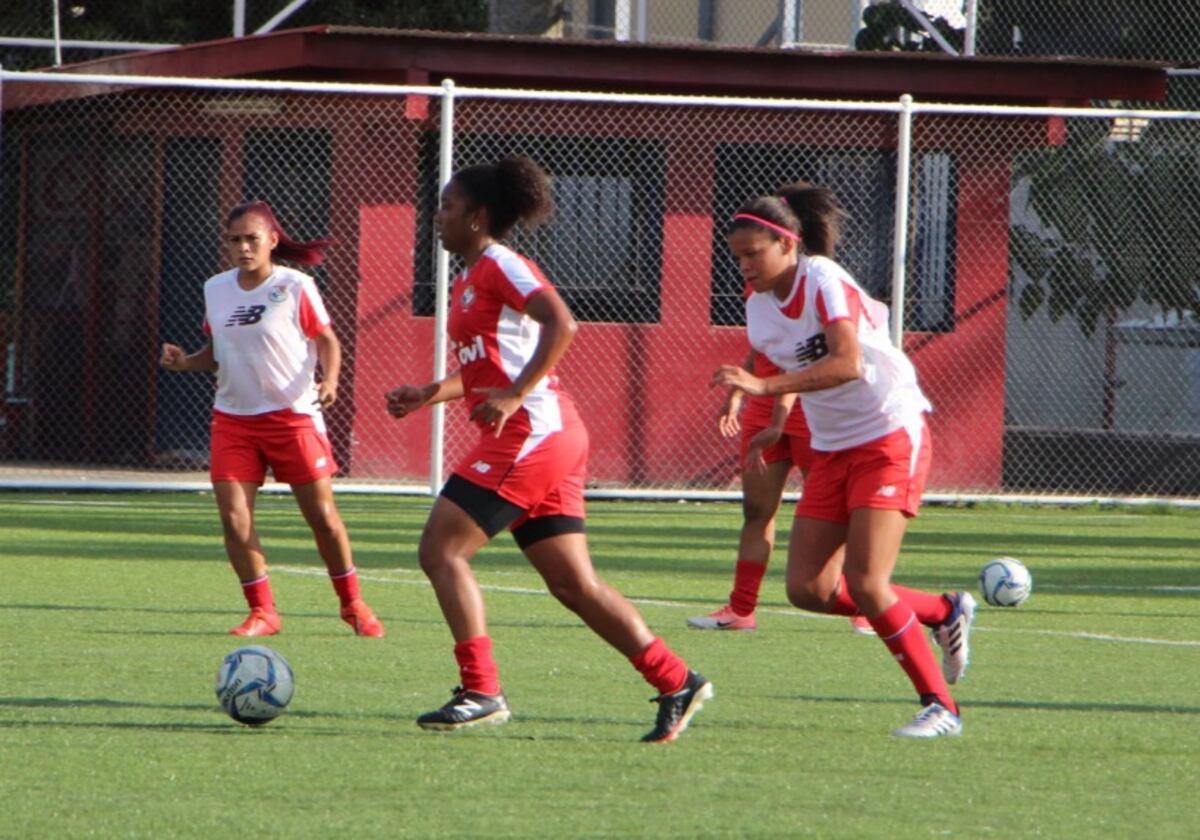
(758, 514)
(868, 591)
(238, 526)
(809, 595)
(327, 526)
(572, 591)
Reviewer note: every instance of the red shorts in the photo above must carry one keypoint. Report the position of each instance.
(885, 474)
(541, 474)
(293, 445)
(795, 444)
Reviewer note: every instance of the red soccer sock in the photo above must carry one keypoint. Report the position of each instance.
(346, 586)
(903, 635)
(747, 579)
(931, 610)
(843, 604)
(476, 668)
(661, 667)
(258, 594)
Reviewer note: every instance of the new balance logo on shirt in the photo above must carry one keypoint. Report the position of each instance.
(244, 316)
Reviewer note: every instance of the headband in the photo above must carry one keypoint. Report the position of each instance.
(782, 231)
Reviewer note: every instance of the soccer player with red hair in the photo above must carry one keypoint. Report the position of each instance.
(268, 328)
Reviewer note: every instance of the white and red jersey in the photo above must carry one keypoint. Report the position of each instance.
(791, 333)
(262, 342)
(494, 340)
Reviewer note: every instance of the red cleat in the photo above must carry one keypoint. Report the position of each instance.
(260, 622)
(359, 616)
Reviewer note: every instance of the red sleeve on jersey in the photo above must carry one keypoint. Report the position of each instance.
(504, 287)
(310, 322)
(207, 329)
(853, 305)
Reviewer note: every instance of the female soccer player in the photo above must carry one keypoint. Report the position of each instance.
(508, 328)
(774, 438)
(871, 448)
(267, 328)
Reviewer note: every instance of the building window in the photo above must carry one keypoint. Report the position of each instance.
(602, 248)
(864, 181)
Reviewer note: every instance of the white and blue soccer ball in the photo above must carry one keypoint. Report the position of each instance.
(254, 685)
(1005, 582)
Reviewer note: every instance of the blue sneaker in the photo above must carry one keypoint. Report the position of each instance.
(953, 636)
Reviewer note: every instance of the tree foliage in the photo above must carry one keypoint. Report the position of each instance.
(190, 21)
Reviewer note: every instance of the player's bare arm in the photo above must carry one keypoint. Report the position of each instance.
(406, 399)
(842, 364)
(329, 352)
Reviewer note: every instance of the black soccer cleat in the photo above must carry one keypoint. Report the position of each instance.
(675, 710)
(466, 708)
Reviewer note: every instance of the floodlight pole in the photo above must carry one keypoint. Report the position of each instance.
(972, 23)
(622, 14)
(239, 18)
(280, 16)
(57, 35)
(789, 24)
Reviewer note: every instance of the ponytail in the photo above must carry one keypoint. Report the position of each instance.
(514, 189)
(304, 253)
(819, 214)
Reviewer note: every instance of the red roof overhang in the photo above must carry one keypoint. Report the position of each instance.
(332, 53)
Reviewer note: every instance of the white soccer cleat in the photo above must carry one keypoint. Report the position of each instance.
(953, 636)
(723, 619)
(933, 721)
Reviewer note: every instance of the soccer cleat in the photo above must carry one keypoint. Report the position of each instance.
(724, 619)
(260, 622)
(359, 616)
(933, 721)
(675, 710)
(466, 708)
(861, 625)
(953, 636)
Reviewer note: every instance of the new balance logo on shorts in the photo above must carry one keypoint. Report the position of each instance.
(481, 467)
(887, 491)
(244, 316)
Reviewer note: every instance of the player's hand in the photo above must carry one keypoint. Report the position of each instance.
(327, 392)
(727, 422)
(739, 377)
(173, 357)
(494, 411)
(406, 399)
(764, 440)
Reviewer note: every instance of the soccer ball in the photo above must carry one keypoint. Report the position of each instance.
(254, 685)
(1005, 582)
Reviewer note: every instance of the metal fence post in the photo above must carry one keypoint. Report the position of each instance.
(437, 443)
(900, 228)
(57, 35)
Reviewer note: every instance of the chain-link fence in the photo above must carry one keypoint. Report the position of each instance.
(1050, 262)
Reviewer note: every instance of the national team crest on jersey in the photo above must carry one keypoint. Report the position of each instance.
(278, 294)
(468, 297)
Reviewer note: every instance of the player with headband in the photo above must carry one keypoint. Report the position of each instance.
(773, 433)
(871, 451)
